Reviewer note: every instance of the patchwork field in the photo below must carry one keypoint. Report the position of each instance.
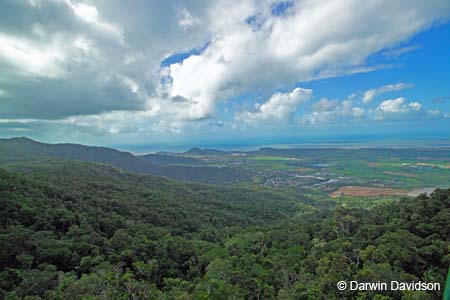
(339, 171)
(303, 170)
(401, 174)
(364, 191)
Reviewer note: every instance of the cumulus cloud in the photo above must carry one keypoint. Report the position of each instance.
(325, 105)
(89, 14)
(254, 49)
(156, 120)
(40, 46)
(335, 112)
(327, 112)
(63, 58)
(371, 94)
(280, 108)
(400, 109)
(32, 58)
(398, 106)
(99, 66)
(186, 19)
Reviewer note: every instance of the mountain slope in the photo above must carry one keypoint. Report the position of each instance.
(23, 148)
(87, 180)
(20, 149)
(199, 152)
(88, 231)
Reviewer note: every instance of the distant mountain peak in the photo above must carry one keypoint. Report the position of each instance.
(194, 151)
(22, 141)
(198, 151)
(267, 148)
(21, 138)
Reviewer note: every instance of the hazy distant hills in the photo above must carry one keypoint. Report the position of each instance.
(204, 165)
(353, 153)
(178, 167)
(199, 152)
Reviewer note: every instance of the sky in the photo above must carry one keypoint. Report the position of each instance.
(165, 73)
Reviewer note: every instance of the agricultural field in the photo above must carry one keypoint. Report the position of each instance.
(335, 172)
(339, 172)
(363, 191)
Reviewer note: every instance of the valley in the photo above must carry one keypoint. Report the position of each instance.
(326, 171)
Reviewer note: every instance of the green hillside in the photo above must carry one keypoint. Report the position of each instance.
(18, 150)
(89, 231)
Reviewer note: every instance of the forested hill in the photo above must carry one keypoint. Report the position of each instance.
(199, 152)
(24, 149)
(18, 149)
(88, 231)
(129, 194)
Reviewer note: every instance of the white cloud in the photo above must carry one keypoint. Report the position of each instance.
(33, 58)
(280, 108)
(60, 58)
(398, 52)
(186, 20)
(49, 52)
(317, 39)
(335, 112)
(332, 112)
(357, 112)
(159, 116)
(99, 66)
(399, 108)
(89, 14)
(23, 121)
(325, 105)
(39, 30)
(369, 95)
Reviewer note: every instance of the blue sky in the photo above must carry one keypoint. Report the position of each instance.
(183, 73)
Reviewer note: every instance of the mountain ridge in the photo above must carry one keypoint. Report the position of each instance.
(13, 150)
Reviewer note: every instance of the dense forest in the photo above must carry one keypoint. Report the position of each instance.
(92, 231)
